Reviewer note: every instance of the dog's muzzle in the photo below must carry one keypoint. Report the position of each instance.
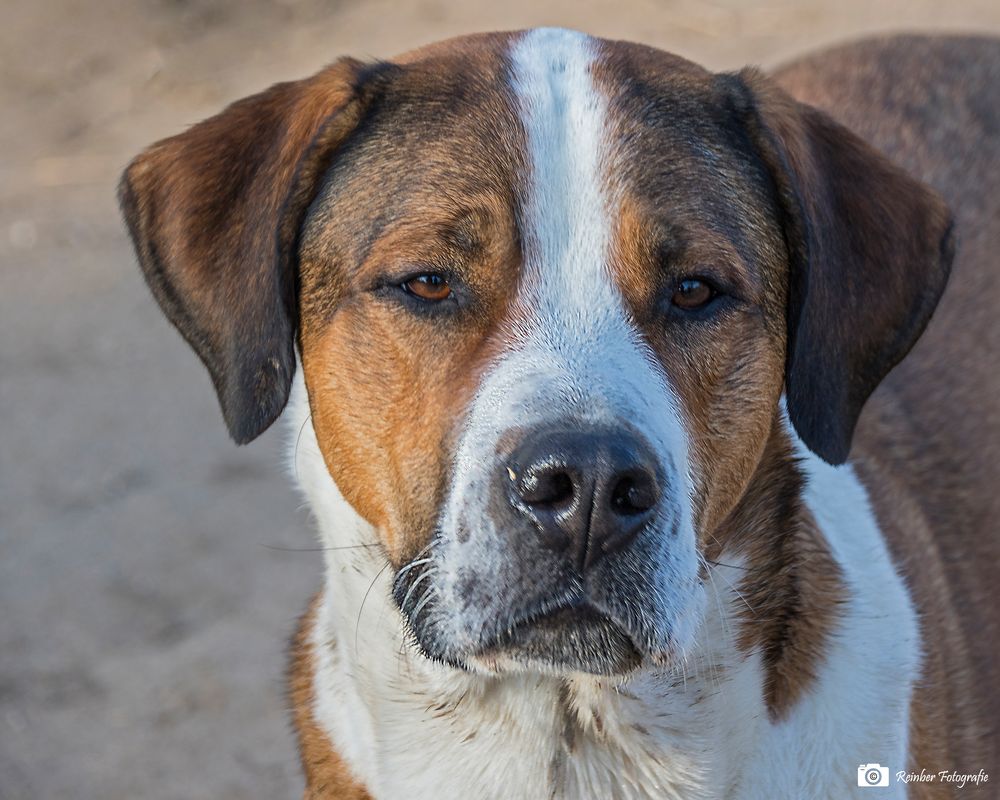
(565, 541)
(566, 565)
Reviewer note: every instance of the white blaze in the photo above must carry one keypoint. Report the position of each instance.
(566, 214)
(578, 358)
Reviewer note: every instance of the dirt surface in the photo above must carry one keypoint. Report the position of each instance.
(150, 571)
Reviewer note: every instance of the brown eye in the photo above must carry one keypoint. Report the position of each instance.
(431, 287)
(692, 293)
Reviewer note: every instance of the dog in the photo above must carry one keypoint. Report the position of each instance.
(575, 338)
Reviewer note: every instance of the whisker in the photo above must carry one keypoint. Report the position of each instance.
(295, 452)
(371, 585)
(722, 564)
(723, 617)
(423, 550)
(317, 549)
(714, 673)
(406, 599)
(740, 595)
(427, 596)
(410, 566)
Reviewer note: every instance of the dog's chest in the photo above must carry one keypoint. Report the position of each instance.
(556, 739)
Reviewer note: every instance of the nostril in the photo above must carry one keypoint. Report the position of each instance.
(634, 493)
(551, 487)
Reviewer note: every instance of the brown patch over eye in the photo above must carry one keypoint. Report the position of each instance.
(692, 293)
(431, 287)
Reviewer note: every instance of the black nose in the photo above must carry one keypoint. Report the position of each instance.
(589, 492)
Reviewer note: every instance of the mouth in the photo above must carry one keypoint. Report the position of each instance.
(574, 632)
(574, 638)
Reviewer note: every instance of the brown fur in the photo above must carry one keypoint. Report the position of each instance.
(387, 431)
(728, 373)
(792, 588)
(327, 776)
(928, 444)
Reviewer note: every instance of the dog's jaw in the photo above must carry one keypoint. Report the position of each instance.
(700, 729)
(518, 734)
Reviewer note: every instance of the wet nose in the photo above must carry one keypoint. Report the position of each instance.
(589, 492)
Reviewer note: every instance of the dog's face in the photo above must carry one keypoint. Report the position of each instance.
(548, 291)
(549, 365)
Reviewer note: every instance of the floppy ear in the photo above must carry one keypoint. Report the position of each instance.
(215, 214)
(869, 251)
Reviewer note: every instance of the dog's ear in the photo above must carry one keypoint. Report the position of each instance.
(869, 251)
(214, 215)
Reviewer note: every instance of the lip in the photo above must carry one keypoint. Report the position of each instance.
(576, 637)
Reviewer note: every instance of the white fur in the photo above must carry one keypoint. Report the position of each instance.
(501, 737)
(578, 357)
(413, 729)
(859, 711)
(417, 730)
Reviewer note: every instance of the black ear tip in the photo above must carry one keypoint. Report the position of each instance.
(833, 453)
(827, 433)
(257, 398)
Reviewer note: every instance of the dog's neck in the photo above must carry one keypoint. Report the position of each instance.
(409, 727)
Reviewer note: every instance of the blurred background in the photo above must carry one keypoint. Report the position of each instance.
(150, 571)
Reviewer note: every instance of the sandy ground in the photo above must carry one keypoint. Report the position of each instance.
(150, 571)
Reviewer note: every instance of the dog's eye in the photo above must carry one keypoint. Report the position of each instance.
(693, 293)
(430, 287)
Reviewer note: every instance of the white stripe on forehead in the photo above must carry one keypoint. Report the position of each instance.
(575, 360)
(565, 212)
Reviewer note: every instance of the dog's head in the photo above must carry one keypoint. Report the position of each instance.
(547, 292)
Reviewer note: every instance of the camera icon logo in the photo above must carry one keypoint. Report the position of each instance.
(873, 775)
